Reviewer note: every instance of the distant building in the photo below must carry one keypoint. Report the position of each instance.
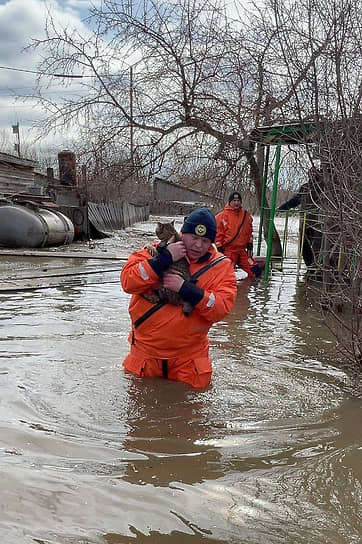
(21, 181)
(17, 175)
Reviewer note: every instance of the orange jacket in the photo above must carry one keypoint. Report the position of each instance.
(228, 222)
(168, 332)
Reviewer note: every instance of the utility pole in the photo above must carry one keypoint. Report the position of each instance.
(131, 114)
(17, 132)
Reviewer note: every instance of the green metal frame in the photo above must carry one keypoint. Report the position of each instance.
(272, 212)
(295, 133)
(262, 203)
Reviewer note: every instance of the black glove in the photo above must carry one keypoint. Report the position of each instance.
(191, 293)
(256, 270)
(161, 261)
(161, 246)
(249, 247)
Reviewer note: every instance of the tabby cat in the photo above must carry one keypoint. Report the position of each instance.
(165, 232)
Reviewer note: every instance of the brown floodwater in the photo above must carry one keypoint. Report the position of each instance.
(269, 454)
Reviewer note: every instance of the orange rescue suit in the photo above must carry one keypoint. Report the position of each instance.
(228, 222)
(168, 337)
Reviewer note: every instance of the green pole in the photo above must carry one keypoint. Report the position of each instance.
(285, 236)
(272, 212)
(262, 202)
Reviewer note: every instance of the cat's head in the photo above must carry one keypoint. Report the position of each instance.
(165, 231)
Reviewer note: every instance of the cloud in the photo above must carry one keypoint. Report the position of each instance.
(83, 4)
(18, 18)
(20, 22)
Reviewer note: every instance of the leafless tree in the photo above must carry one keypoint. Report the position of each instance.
(340, 294)
(159, 74)
(192, 71)
(321, 46)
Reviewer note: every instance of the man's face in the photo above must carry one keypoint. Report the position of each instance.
(196, 246)
(235, 203)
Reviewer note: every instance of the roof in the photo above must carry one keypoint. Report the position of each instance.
(12, 159)
(287, 133)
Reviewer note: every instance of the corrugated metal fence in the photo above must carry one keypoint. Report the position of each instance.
(112, 216)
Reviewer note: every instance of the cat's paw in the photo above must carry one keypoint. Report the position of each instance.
(151, 249)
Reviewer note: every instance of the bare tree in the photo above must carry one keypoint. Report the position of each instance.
(193, 77)
(159, 74)
(340, 294)
(5, 145)
(320, 43)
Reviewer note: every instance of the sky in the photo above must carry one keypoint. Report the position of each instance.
(20, 21)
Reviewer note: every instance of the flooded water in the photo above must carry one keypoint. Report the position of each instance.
(270, 454)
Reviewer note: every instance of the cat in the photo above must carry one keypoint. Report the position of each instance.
(166, 232)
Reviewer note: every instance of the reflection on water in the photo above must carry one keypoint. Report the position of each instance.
(88, 454)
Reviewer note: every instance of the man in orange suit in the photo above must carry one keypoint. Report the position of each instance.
(164, 342)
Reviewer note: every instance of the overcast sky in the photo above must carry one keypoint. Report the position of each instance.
(21, 20)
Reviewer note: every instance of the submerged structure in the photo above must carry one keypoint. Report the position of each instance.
(38, 210)
(29, 225)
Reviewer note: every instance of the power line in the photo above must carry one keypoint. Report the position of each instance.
(42, 73)
(75, 76)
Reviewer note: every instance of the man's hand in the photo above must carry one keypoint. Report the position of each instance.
(172, 281)
(177, 250)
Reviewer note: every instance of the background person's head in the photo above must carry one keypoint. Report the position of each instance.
(198, 232)
(235, 199)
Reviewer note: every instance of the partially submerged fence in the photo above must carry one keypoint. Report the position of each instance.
(112, 216)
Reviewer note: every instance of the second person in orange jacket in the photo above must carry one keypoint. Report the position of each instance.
(235, 235)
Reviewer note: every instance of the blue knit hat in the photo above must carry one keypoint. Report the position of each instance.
(201, 222)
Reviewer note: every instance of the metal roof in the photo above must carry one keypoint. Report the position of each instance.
(12, 159)
(288, 133)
